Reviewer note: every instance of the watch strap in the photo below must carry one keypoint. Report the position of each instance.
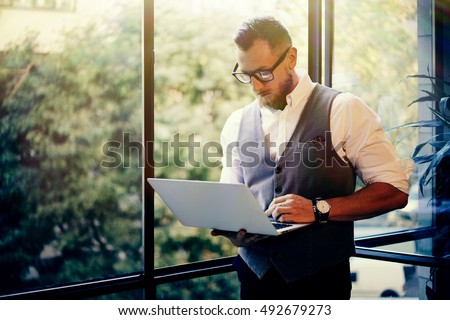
(320, 217)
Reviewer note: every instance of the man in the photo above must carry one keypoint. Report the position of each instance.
(312, 142)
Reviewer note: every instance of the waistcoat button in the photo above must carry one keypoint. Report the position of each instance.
(278, 189)
(278, 170)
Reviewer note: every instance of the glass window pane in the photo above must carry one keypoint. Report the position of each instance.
(378, 43)
(219, 287)
(195, 92)
(376, 48)
(70, 97)
(374, 279)
(137, 294)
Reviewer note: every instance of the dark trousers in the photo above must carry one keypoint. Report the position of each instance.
(333, 283)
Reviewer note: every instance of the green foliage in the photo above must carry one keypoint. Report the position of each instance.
(63, 217)
(439, 143)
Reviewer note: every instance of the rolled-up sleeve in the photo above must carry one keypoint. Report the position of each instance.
(358, 131)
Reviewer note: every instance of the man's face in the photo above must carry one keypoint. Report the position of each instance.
(261, 57)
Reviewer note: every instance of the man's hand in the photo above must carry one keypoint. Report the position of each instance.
(240, 238)
(291, 208)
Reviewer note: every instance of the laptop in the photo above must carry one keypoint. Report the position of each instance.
(216, 205)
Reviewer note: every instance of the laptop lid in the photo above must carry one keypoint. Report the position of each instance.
(215, 205)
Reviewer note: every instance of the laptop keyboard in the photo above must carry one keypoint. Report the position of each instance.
(281, 225)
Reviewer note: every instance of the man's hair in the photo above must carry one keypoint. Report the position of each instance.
(264, 28)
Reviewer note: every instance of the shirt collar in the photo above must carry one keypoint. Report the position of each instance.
(298, 97)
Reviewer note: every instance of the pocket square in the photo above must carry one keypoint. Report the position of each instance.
(317, 139)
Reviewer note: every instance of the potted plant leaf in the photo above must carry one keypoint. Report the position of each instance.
(437, 165)
(440, 152)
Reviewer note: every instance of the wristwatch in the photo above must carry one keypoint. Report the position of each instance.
(321, 210)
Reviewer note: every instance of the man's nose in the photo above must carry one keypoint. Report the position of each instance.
(256, 84)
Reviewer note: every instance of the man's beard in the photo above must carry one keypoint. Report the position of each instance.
(279, 100)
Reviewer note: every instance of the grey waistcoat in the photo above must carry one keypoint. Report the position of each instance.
(310, 167)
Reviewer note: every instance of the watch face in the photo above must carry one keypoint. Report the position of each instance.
(323, 206)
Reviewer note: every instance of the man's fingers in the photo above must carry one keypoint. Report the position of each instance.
(278, 210)
(216, 232)
(229, 234)
(241, 235)
(276, 203)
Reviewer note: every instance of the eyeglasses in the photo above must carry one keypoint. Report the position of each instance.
(260, 75)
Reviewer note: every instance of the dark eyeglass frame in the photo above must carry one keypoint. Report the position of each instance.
(265, 75)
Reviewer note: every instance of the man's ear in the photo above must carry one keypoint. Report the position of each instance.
(292, 58)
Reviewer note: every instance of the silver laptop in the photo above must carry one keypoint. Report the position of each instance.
(215, 205)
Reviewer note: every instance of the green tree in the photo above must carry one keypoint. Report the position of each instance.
(64, 217)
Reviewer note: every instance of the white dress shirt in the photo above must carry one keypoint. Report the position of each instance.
(356, 132)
